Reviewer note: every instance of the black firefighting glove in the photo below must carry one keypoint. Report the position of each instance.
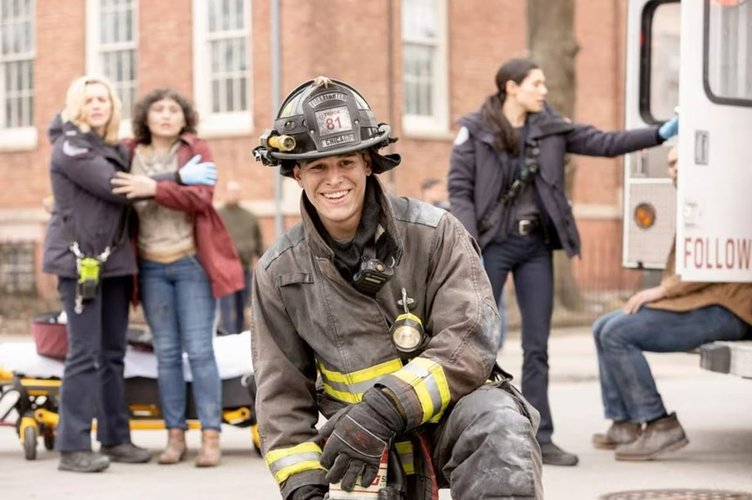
(309, 492)
(357, 438)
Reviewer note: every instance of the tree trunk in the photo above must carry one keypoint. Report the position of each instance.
(551, 44)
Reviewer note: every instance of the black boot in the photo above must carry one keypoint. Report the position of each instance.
(127, 453)
(83, 461)
(553, 455)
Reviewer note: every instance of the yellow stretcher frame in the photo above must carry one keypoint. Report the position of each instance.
(44, 421)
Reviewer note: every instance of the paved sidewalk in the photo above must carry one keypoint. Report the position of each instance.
(714, 409)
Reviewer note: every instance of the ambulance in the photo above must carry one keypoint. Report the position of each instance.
(710, 211)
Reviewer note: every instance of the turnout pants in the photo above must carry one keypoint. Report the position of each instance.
(485, 448)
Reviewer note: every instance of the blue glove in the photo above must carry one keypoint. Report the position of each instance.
(669, 128)
(195, 172)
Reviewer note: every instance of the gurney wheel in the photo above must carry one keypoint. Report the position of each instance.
(49, 438)
(30, 442)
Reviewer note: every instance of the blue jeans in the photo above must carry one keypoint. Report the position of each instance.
(530, 262)
(232, 307)
(179, 307)
(627, 385)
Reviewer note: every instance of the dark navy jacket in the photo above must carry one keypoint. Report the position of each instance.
(478, 174)
(86, 210)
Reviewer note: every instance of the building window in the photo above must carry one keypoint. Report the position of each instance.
(111, 46)
(17, 273)
(17, 51)
(424, 74)
(222, 64)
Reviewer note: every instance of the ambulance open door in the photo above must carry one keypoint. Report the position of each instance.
(651, 96)
(714, 220)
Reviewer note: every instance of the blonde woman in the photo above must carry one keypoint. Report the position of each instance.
(87, 236)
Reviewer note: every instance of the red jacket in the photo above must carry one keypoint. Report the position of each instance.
(214, 246)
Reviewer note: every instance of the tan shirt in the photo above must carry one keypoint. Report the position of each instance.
(164, 235)
(687, 295)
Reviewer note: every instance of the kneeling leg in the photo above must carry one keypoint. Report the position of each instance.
(486, 447)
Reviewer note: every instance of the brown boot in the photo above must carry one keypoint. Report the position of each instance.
(176, 448)
(618, 433)
(210, 453)
(659, 437)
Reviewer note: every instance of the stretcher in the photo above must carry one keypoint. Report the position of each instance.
(30, 386)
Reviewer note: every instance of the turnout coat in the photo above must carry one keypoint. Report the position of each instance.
(308, 319)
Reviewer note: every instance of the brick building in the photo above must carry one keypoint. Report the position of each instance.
(421, 64)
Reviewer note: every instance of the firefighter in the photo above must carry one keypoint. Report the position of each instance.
(385, 301)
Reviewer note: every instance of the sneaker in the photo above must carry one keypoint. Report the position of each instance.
(659, 437)
(127, 453)
(553, 455)
(618, 433)
(83, 461)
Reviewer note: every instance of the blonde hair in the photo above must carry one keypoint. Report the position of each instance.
(74, 106)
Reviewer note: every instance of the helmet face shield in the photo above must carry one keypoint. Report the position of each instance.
(321, 118)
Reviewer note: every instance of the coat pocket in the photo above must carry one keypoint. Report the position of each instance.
(295, 279)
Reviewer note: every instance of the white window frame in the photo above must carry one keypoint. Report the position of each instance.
(227, 123)
(19, 138)
(436, 124)
(94, 51)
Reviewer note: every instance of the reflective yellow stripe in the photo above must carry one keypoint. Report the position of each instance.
(349, 387)
(405, 451)
(427, 379)
(284, 462)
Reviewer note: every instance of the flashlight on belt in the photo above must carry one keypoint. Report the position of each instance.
(407, 331)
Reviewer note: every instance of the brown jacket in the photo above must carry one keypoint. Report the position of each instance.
(307, 319)
(689, 295)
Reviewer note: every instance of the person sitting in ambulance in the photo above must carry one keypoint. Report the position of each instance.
(385, 299)
(674, 316)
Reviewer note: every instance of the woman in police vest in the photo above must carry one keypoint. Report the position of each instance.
(506, 185)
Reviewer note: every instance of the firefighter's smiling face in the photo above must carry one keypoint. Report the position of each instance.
(336, 187)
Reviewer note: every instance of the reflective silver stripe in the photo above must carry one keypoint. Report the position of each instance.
(291, 460)
(429, 382)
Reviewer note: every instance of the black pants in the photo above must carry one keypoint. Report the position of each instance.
(531, 264)
(93, 383)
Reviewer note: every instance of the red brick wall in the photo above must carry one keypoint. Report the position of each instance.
(344, 39)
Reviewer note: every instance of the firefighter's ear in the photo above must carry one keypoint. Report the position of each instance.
(296, 175)
(368, 162)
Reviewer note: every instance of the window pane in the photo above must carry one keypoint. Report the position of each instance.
(730, 39)
(16, 63)
(117, 48)
(227, 48)
(418, 79)
(419, 19)
(215, 97)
